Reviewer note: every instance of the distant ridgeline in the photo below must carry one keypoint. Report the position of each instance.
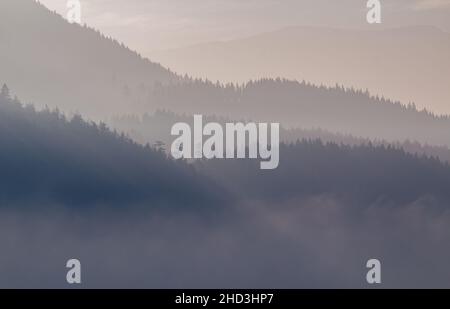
(155, 130)
(48, 159)
(316, 163)
(299, 104)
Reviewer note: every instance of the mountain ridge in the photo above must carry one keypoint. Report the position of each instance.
(397, 63)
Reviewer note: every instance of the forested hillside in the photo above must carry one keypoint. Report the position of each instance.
(48, 61)
(362, 176)
(48, 158)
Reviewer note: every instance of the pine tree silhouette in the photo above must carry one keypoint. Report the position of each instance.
(5, 94)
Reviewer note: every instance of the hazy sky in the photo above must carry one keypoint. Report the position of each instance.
(147, 25)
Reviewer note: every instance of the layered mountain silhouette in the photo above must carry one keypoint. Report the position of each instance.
(48, 61)
(302, 105)
(48, 159)
(73, 187)
(154, 129)
(399, 63)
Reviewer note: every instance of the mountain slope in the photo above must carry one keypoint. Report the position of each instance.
(46, 60)
(48, 159)
(360, 176)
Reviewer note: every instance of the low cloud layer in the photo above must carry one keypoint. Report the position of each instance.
(313, 243)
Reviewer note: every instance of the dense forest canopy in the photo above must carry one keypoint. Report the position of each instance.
(361, 175)
(47, 157)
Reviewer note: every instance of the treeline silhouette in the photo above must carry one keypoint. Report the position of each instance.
(155, 129)
(360, 176)
(300, 104)
(47, 158)
(409, 63)
(316, 162)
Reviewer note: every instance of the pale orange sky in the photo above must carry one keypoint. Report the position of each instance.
(147, 25)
